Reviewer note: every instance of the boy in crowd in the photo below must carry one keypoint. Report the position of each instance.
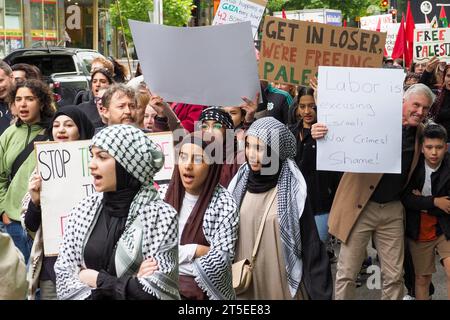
(427, 206)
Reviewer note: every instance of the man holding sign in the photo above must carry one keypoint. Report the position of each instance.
(368, 204)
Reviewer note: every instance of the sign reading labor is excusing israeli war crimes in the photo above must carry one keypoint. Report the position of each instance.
(291, 51)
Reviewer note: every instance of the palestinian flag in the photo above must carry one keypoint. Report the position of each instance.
(443, 18)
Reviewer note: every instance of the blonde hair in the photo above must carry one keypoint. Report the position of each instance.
(106, 63)
(142, 99)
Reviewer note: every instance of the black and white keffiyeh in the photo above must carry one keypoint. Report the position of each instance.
(217, 114)
(291, 195)
(220, 227)
(151, 228)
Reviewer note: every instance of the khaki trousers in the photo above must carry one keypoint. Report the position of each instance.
(385, 223)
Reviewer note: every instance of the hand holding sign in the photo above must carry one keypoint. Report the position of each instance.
(34, 188)
(157, 103)
(318, 130)
(432, 64)
(250, 107)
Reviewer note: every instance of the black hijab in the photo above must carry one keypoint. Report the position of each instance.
(84, 125)
(116, 205)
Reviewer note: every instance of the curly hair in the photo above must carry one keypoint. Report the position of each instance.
(31, 71)
(42, 92)
(105, 62)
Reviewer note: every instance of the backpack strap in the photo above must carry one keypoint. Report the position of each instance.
(24, 155)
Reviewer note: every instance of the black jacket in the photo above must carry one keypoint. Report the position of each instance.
(440, 186)
(5, 116)
(443, 114)
(316, 264)
(322, 185)
(274, 104)
(90, 109)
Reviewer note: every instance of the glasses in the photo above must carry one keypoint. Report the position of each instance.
(215, 126)
(98, 100)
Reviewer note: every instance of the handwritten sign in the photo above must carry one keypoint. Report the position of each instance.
(362, 109)
(432, 42)
(213, 65)
(232, 11)
(292, 50)
(66, 180)
(371, 22)
(392, 32)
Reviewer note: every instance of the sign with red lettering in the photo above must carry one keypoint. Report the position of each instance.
(66, 180)
(431, 42)
(233, 11)
(291, 50)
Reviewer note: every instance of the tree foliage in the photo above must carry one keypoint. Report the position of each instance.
(175, 12)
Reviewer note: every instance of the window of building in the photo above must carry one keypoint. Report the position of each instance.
(44, 22)
(12, 23)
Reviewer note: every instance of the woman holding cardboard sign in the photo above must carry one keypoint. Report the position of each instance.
(111, 232)
(69, 124)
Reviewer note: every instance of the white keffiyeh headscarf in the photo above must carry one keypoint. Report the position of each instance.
(151, 228)
(291, 192)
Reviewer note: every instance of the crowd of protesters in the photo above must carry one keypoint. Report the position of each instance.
(256, 196)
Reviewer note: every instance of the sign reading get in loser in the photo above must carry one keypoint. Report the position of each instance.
(291, 51)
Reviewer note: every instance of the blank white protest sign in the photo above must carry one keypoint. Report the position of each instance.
(213, 65)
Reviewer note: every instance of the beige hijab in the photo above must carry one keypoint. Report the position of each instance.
(12, 270)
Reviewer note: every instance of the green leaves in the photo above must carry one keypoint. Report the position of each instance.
(175, 12)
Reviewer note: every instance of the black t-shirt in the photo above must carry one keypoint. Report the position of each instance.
(391, 185)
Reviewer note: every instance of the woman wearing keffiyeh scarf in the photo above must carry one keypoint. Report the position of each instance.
(111, 232)
(291, 262)
(208, 222)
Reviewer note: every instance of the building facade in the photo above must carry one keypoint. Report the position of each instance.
(74, 23)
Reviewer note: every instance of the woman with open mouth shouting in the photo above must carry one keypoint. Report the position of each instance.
(208, 221)
(111, 232)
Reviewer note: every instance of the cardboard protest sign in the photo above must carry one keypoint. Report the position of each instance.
(362, 109)
(232, 11)
(214, 65)
(292, 50)
(66, 180)
(431, 42)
